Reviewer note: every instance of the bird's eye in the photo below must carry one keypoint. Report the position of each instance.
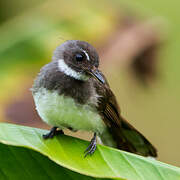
(79, 57)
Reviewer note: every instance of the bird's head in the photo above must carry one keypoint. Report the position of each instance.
(78, 59)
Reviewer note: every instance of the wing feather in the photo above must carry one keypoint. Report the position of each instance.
(125, 135)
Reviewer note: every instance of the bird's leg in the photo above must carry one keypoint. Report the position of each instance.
(53, 132)
(92, 146)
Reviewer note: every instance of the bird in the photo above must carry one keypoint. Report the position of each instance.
(72, 93)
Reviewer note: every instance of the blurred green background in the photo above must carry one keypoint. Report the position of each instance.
(138, 43)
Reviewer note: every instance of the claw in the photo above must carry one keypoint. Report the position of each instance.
(53, 132)
(89, 147)
(92, 146)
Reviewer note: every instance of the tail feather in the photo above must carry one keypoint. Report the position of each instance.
(129, 139)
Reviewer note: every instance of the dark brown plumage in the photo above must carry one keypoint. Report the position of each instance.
(125, 135)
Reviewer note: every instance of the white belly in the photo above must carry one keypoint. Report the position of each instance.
(63, 112)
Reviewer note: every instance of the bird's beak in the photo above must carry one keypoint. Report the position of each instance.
(96, 74)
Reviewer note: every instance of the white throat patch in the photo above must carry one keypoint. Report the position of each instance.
(63, 67)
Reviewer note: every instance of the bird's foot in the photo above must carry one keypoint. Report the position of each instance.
(92, 146)
(53, 132)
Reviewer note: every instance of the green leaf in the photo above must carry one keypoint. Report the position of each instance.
(105, 163)
(22, 163)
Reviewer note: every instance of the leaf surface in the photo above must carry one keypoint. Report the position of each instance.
(104, 163)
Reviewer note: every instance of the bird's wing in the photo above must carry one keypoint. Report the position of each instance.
(111, 110)
(125, 135)
(107, 103)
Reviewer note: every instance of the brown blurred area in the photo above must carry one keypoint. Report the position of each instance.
(137, 56)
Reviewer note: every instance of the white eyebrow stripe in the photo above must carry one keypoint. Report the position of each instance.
(63, 67)
(87, 55)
